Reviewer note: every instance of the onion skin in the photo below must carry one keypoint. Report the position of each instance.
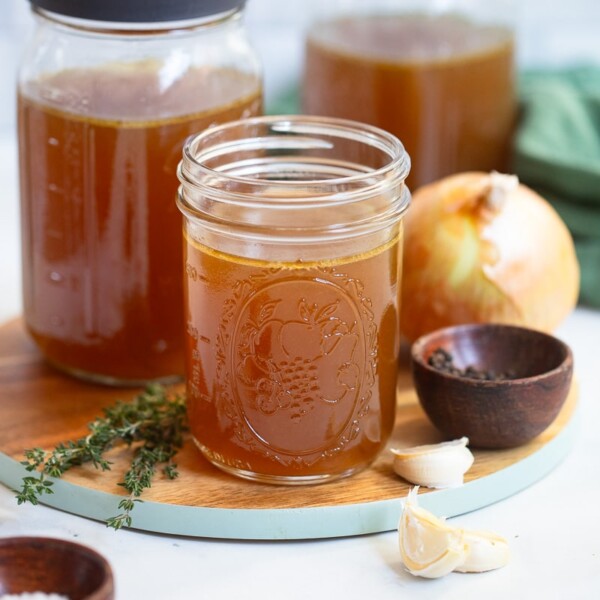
(469, 261)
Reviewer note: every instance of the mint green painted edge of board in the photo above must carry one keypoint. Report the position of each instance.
(303, 523)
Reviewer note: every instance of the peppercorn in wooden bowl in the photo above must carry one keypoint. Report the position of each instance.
(53, 566)
(499, 385)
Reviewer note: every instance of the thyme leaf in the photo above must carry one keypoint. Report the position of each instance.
(153, 425)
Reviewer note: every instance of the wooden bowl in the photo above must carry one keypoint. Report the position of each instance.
(493, 414)
(37, 564)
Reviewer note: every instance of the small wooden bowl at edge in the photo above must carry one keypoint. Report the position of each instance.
(49, 565)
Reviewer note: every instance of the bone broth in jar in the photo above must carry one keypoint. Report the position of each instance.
(108, 92)
(293, 237)
(439, 75)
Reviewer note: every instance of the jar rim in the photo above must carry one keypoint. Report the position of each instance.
(398, 166)
(294, 176)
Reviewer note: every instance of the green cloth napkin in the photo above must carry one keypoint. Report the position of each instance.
(557, 152)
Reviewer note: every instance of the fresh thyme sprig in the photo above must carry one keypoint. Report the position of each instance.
(153, 424)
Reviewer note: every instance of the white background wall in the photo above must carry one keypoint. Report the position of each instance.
(549, 32)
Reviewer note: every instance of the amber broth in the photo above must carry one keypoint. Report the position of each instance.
(102, 244)
(292, 367)
(443, 85)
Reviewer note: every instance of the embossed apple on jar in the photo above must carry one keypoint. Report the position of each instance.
(299, 362)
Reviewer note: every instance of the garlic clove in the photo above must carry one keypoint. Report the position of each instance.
(428, 546)
(485, 551)
(429, 448)
(431, 548)
(434, 465)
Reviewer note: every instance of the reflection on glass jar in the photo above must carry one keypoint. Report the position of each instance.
(443, 82)
(293, 253)
(103, 115)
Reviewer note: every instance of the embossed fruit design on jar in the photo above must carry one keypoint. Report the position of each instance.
(292, 299)
(290, 363)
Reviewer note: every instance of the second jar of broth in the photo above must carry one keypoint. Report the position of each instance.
(439, 75)
(108, 93)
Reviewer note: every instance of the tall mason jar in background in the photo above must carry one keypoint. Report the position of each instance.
(108, 92)
(439, 74)
(293, 229)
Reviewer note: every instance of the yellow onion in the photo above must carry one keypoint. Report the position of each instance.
(480, 247)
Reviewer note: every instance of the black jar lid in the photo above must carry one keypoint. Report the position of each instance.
(138, 11)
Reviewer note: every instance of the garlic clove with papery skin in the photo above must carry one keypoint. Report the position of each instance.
(431, 548)
(435, 465)
(428, 546)
(485, 551)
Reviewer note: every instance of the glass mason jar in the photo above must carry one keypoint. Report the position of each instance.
(108, 92)
(439, 74)
(293, 245)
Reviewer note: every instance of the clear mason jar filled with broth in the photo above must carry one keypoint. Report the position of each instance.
(108, 92)
(293, 247)
(439, 75)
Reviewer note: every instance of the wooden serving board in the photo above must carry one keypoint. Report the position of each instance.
(41, 407)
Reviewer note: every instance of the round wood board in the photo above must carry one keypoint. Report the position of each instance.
(41, 407)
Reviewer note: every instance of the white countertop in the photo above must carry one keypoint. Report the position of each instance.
(553, 527)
